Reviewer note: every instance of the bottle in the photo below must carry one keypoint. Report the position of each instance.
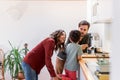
(92, 50)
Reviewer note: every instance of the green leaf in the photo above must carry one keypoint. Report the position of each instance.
(13, 59)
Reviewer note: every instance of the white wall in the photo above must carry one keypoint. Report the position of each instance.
(115, 56)
(104, 31)
(32, 21)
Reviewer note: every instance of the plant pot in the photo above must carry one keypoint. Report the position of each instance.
(21, 76)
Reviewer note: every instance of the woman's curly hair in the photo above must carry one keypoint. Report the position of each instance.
(55, 35)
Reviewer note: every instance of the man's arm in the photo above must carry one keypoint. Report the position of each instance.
(85, 42)
(84, 46)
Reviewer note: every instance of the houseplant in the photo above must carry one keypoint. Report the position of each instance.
(13, 59)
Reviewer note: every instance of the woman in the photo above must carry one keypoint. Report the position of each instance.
(41, 54)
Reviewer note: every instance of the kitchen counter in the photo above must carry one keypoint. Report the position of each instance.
(88, 67)
(95, 55)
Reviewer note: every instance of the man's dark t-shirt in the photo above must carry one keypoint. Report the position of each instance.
(85, 40)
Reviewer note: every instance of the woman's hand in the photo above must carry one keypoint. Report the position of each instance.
(57, 78)
(60, 77)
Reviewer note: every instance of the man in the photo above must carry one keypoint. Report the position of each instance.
(85, 42)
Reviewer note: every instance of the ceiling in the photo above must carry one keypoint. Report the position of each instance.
(43, 0)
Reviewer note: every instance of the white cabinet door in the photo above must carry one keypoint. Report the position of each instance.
(101, 11)
(81, 75)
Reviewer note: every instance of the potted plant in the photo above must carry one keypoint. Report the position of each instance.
(13, 60)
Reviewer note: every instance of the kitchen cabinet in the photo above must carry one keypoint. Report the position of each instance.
(100, 17)
(82, 76)
(89, 65)
(101, 11)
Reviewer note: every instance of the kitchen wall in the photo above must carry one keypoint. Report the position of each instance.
(32, 21)
(104, 32)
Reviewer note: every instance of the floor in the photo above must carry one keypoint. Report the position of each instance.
(44, 74)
